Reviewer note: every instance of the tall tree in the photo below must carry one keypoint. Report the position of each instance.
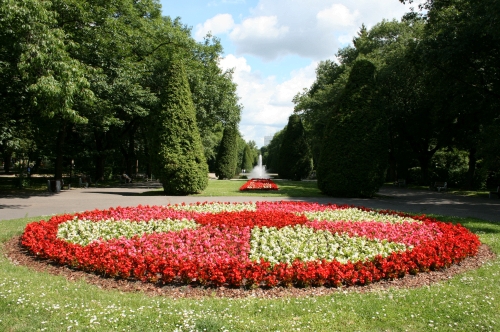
(462, 44)
(39, 78)
(354, 156)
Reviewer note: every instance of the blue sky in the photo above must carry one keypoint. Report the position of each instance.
(274, 46)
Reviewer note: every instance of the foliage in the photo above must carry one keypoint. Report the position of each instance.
(353, 158)
(294, 154)
(179, 161)
(227, 155)
(79, 78)
(436, 82)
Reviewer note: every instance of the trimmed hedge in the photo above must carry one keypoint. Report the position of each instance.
(227, 156)
(247, 161)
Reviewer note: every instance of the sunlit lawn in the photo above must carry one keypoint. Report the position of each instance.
(231, 188)
(33, 301)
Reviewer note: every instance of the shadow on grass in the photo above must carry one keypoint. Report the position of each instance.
(478, 226)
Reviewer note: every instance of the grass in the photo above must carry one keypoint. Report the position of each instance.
(455, 191)
(36, 301)
(231, 188)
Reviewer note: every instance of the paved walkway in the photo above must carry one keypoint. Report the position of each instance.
(400, 199)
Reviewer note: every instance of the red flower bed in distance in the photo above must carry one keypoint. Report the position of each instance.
(217, 252)
(259, 184)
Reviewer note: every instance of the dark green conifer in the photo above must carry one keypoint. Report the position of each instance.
(354, 153)
(178, 158)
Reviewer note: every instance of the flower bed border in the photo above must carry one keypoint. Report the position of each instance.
(455, 244)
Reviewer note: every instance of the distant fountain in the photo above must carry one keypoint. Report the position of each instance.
(259, 171)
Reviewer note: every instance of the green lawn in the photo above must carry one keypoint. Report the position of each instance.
(32, 301)
(231, 188)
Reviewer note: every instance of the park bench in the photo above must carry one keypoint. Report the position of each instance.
(83, 182)
(440, 186)
(495, 192)
(152, 178)
(400, 183)
(67, 185)
(139, 176)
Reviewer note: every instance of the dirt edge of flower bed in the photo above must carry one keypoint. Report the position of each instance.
(20, 256)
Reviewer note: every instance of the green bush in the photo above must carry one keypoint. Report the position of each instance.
(354, 153)
(177, 152)
(227, 155)
(295, 160)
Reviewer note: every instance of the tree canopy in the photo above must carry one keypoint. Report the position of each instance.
(437, 87)
(79, 80)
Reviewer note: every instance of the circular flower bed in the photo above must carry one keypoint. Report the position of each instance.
(250, 244)
(259, 184)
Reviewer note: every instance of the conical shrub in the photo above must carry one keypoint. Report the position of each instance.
(227, 156)
(354, 153)
(178, 158)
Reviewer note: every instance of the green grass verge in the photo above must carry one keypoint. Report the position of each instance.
(232, 188)
(36, 301)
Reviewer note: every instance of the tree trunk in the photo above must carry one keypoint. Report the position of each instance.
(7, 158)
(392, 173)
(100, 158)
(424, 160)
(58, 167)
(148, 162)
(131, 153)
(469, 182)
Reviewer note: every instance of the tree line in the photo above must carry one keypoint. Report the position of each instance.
(108, 86)
(416, 99)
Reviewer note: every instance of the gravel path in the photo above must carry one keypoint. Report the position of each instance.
(399, 199)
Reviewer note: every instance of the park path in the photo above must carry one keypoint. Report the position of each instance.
(399, 199)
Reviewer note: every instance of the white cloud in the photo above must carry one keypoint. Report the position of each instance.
(232, 62)
(220, 23)
(267, 102)
(225, 2)
(261, 27)
(313, 29)
(300, 79)
(345, 39)
(336, 17)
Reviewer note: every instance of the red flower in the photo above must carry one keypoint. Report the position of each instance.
(259, 184)
(217, 253)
